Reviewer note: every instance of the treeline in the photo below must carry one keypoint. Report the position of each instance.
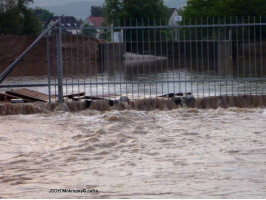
(224, 9)
(17, 19)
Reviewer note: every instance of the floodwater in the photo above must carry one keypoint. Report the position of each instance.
(184, 153)
(139, 79)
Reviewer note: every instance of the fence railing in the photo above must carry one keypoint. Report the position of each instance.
(150, 59)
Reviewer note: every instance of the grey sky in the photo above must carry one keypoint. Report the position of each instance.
(81, 8)
(46, 3)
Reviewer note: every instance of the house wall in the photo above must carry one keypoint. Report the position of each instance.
(75, 32)
(87, 21)
(98, 31)
(172, 18)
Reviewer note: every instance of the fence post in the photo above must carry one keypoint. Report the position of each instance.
(48, 66)
(59, 62)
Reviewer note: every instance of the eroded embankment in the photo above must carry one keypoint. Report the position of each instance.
(246, 101)
(71, 47)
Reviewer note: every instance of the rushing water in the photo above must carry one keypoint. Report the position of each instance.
(184, 153)
(138, 78)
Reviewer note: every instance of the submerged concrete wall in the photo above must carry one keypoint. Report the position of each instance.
(200, 48)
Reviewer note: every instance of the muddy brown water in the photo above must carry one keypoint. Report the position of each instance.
(184, 153)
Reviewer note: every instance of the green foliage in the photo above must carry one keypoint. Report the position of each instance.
(89, 30)
(137, 13)
(43, 14)
(11, 22)
(22, 4)
(17, 19)
(224, 8)
(6, 4)
(9, 4)
(31, 25)
(113, 9)
(224, 12)
(97, 11)
(136, 10)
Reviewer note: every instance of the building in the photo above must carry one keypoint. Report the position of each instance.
(68, 23)
(94, 22)
(174, 18)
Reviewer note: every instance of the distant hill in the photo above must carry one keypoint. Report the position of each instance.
(81, 9)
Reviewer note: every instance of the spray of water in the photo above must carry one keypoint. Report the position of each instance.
(15, 109)
(152, 104)
(246, 101)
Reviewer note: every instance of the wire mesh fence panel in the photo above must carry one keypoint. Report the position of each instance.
(151, 58)
(205, 57)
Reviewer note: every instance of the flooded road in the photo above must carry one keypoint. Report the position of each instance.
(184, 153)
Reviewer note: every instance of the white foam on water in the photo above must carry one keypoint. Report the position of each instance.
(183, 153)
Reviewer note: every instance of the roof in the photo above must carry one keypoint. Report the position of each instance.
(97, 21)
(171, 11)
(67, 21)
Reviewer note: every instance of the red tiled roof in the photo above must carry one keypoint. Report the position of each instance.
(97, 21)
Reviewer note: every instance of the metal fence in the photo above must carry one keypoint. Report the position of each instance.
(152, 58)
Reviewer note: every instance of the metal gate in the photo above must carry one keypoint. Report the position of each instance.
(149, 59)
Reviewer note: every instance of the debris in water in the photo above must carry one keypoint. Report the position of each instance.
(28, 95)
(17, 101)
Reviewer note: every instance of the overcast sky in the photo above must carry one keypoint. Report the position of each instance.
(81, 8)
(45, 3)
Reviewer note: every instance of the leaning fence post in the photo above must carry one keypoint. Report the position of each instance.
(59, 62)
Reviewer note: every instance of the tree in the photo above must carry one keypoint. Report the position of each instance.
(31, 24)
(10, 22)
(42, 14)
(97, 11)
(17, 19)
(89, 30)
(6, 4)
(224, 8)
(113, 9)
(9, 4)
(135, 10)
(224, 12)
(22, 4)
(138, 13)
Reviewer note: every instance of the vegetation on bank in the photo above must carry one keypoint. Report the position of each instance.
(224, 9)
(136, 10)
(18, 19)
(97, 11)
